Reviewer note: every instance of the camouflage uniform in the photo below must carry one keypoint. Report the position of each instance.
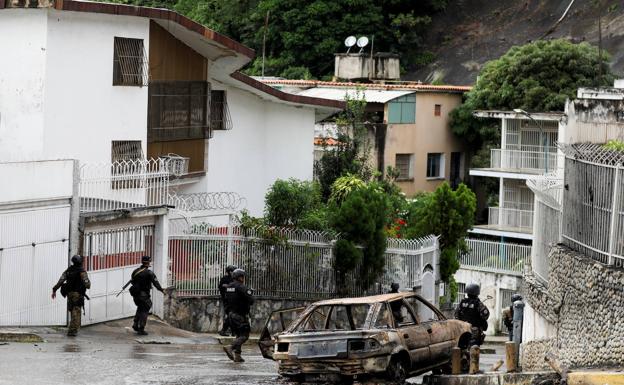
(77, 281)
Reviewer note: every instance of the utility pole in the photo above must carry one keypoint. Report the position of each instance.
(266, 26)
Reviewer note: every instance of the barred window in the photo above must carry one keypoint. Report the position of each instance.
(126, 150)
(129, 62)
(403, 164)
(178, 110)
(219, 112)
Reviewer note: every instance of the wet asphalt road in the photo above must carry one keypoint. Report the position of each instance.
(112, 354)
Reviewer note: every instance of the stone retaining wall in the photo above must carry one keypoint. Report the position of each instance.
(205, 314)
(585, 301)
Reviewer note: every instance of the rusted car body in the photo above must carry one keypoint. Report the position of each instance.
(394, 335)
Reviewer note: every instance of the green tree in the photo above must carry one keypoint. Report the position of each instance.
(535, 77)
(351, 155)
(361, 220)
(287, 202)
(448, 214)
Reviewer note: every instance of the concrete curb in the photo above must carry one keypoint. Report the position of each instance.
(485, 379)
(20, 337)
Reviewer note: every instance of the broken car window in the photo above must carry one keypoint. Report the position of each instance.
(384, 321)
(401, 314)
(339, 319)
(316, 320)
(359, 313)
(424, 312)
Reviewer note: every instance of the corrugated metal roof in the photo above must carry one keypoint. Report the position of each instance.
(371, 96)
(415, 86)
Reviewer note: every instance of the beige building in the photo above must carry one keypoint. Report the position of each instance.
(409, 131)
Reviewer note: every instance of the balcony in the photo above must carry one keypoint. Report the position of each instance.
(507, 223)
(521, 164)
(123, 185)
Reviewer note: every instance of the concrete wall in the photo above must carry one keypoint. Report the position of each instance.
(56, 94)
(430, 134)
(22, 83)
(81, 102)
(27, 180)
(268, 141)
(582, 308)
(205, 314)
(491, 285)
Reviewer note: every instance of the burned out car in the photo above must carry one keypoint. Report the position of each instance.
(390, 335)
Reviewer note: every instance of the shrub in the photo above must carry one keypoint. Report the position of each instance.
(288, 201)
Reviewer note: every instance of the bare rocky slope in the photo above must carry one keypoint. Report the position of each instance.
(473, 32)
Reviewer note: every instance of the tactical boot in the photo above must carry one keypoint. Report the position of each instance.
(238, 358)
(229, 352)
(71, 334)
(223, 333)
(135, 328)
(142, 332)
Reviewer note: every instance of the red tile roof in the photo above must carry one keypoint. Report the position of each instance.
(293, 98)
(397, 86)
(318, 141)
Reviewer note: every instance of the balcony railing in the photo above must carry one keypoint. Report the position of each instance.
(495, 256)
(526, 160)
(512, 219)
(123, 184)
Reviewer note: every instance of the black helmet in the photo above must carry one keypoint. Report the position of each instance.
(76, 259)
(394, 286)
(236, 274)
(516, 297)
(146, 258)
(230, 268)
(473, 289)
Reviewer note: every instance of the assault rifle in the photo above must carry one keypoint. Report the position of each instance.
(124, 287)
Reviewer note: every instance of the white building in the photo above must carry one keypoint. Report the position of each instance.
(102, 82)
(113, 86)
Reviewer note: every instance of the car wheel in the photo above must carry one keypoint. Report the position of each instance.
(397, 371)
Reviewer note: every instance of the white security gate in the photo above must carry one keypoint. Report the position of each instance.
(34, 247)
(110, 258)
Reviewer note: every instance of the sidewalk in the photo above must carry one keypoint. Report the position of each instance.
(117, 331)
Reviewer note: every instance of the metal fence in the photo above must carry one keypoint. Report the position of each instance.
(498, 257)
(283, 263)
(593, 203)
(548, 190)
(525, 160)
(123, 184)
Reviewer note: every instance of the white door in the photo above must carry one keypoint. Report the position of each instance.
(110, 258)
(34, 247)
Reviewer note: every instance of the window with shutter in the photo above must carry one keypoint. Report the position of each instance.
(403, 164)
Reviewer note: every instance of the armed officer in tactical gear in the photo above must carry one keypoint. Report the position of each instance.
(73, 283)
(239, 299)
(142, 280)
(508, 314)
(223, 284)
(473, 311)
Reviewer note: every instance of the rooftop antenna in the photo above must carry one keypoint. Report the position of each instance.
(362, 42)
(350, 42)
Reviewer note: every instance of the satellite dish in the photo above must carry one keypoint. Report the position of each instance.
(350, 42)
(362, 42)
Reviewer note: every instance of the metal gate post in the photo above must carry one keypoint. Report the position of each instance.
(614, 211)
(229, 240)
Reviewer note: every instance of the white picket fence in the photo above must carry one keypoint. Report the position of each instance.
(287, 263)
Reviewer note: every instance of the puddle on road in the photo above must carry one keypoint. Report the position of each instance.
(71, 348)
